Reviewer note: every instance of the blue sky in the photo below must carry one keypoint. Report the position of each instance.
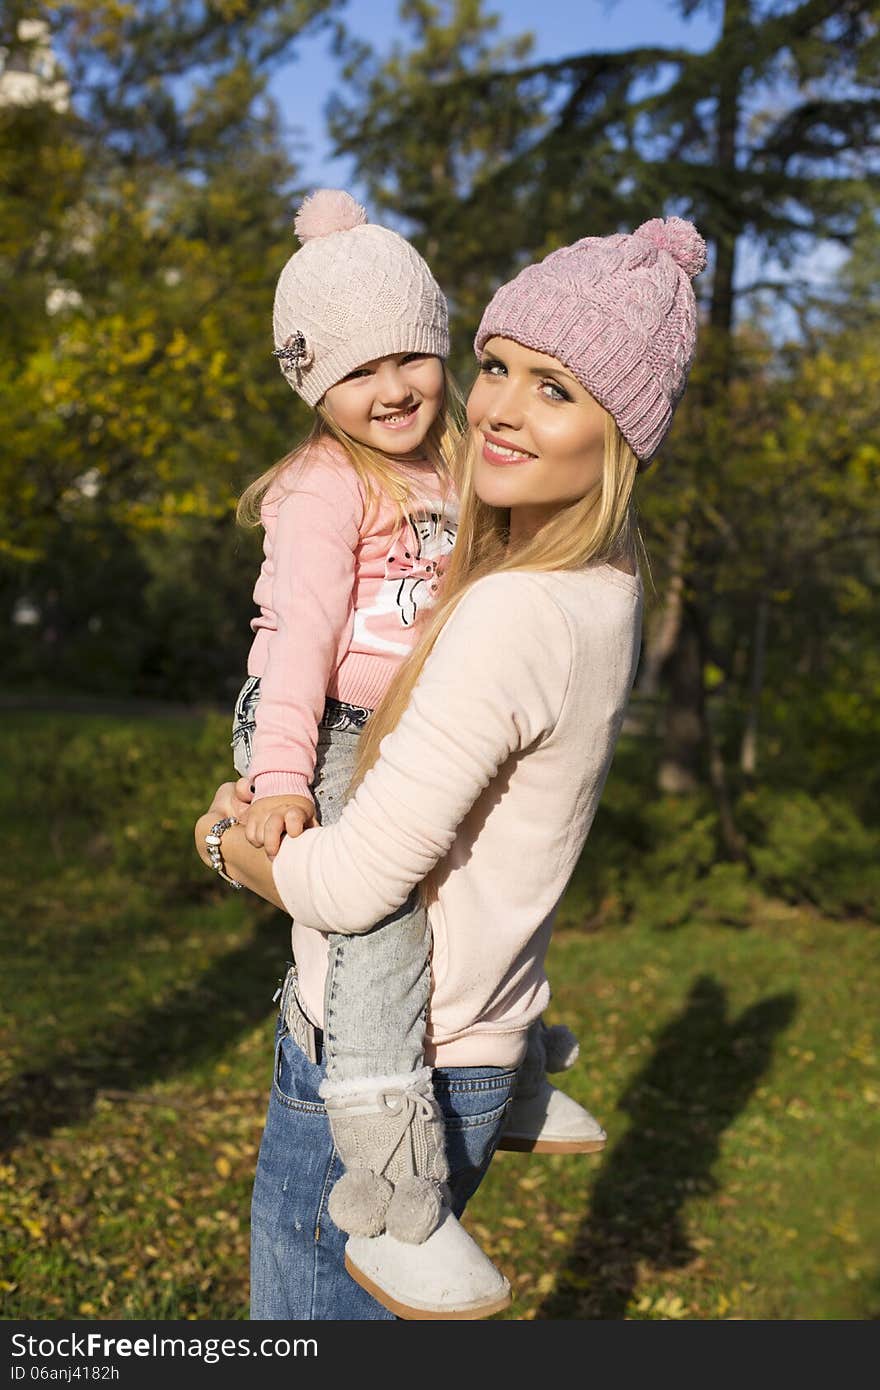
(560, 27)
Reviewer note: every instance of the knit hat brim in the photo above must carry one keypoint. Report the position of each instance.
(386, 340)
(599, 358)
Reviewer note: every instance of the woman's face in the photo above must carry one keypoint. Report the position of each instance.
(540, 434)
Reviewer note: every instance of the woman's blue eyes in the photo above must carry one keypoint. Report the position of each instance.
(561, 395)
(493, 368)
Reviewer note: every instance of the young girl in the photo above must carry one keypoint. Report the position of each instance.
(510, 709)
(358, 522)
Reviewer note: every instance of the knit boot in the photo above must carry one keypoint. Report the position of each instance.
(405, 1246)
(388, 1131)
(541, 1118)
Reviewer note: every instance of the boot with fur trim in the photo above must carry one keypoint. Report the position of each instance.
(405, 1246)
(541, 1118)
(388, 1131)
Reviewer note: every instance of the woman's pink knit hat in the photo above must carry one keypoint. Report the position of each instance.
(619, 311)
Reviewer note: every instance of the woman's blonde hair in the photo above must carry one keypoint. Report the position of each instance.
(598, 527)
(377, 472)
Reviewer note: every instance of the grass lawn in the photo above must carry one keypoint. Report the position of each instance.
(735, 1068)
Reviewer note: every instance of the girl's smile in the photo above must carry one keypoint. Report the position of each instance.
(389, 403)
(399, 419)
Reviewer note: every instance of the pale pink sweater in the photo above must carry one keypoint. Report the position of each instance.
(339, 590)
(495, 769)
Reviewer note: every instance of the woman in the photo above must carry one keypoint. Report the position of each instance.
(496, 740)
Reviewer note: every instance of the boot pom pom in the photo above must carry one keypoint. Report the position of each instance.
(561, 1047)
(359, 1201)
(328, 210)
(414, 1210)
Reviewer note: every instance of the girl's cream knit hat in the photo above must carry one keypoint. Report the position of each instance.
(354, 291)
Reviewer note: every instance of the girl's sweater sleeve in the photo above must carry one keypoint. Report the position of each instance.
(494, 684)
(314, 550)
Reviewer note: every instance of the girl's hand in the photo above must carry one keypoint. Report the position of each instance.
(268, 819)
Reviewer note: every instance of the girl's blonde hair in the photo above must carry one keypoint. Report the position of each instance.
(598, 527)
(377, 472)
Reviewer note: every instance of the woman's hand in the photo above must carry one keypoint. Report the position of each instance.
(243, 789)
(245, 863)
(229, 801)
(224, 804)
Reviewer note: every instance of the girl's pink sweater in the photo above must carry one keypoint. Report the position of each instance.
(339, 591)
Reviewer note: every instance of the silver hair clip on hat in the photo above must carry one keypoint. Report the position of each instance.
(293, 353)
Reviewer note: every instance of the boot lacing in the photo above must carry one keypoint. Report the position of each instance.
(407, 1107)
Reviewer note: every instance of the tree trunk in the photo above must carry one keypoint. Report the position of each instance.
(664, 634)
(737, 15)
(748, 753)
(686, 725)
(681, 760)
(731, 841)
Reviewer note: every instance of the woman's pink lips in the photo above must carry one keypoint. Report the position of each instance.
(501, 460)
(408, 418)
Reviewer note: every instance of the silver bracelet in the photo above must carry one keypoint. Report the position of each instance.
(212, 844)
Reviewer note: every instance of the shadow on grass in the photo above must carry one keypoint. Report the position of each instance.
(703, 1070)
(196, 1023)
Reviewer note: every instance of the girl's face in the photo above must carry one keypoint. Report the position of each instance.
(540, 434)
(389, 403)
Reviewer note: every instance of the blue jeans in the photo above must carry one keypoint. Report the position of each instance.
(297, 1269)
(376, 995)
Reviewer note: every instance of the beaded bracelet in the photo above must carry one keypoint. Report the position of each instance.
(212, 844)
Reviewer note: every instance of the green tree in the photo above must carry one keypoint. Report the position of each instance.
(142, 226)
(424, 139)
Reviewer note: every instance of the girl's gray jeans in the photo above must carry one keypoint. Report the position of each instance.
(376, 996)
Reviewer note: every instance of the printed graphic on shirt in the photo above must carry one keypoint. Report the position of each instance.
(413, 570)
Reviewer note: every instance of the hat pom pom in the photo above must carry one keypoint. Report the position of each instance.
(680, 238)
(328, 210)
